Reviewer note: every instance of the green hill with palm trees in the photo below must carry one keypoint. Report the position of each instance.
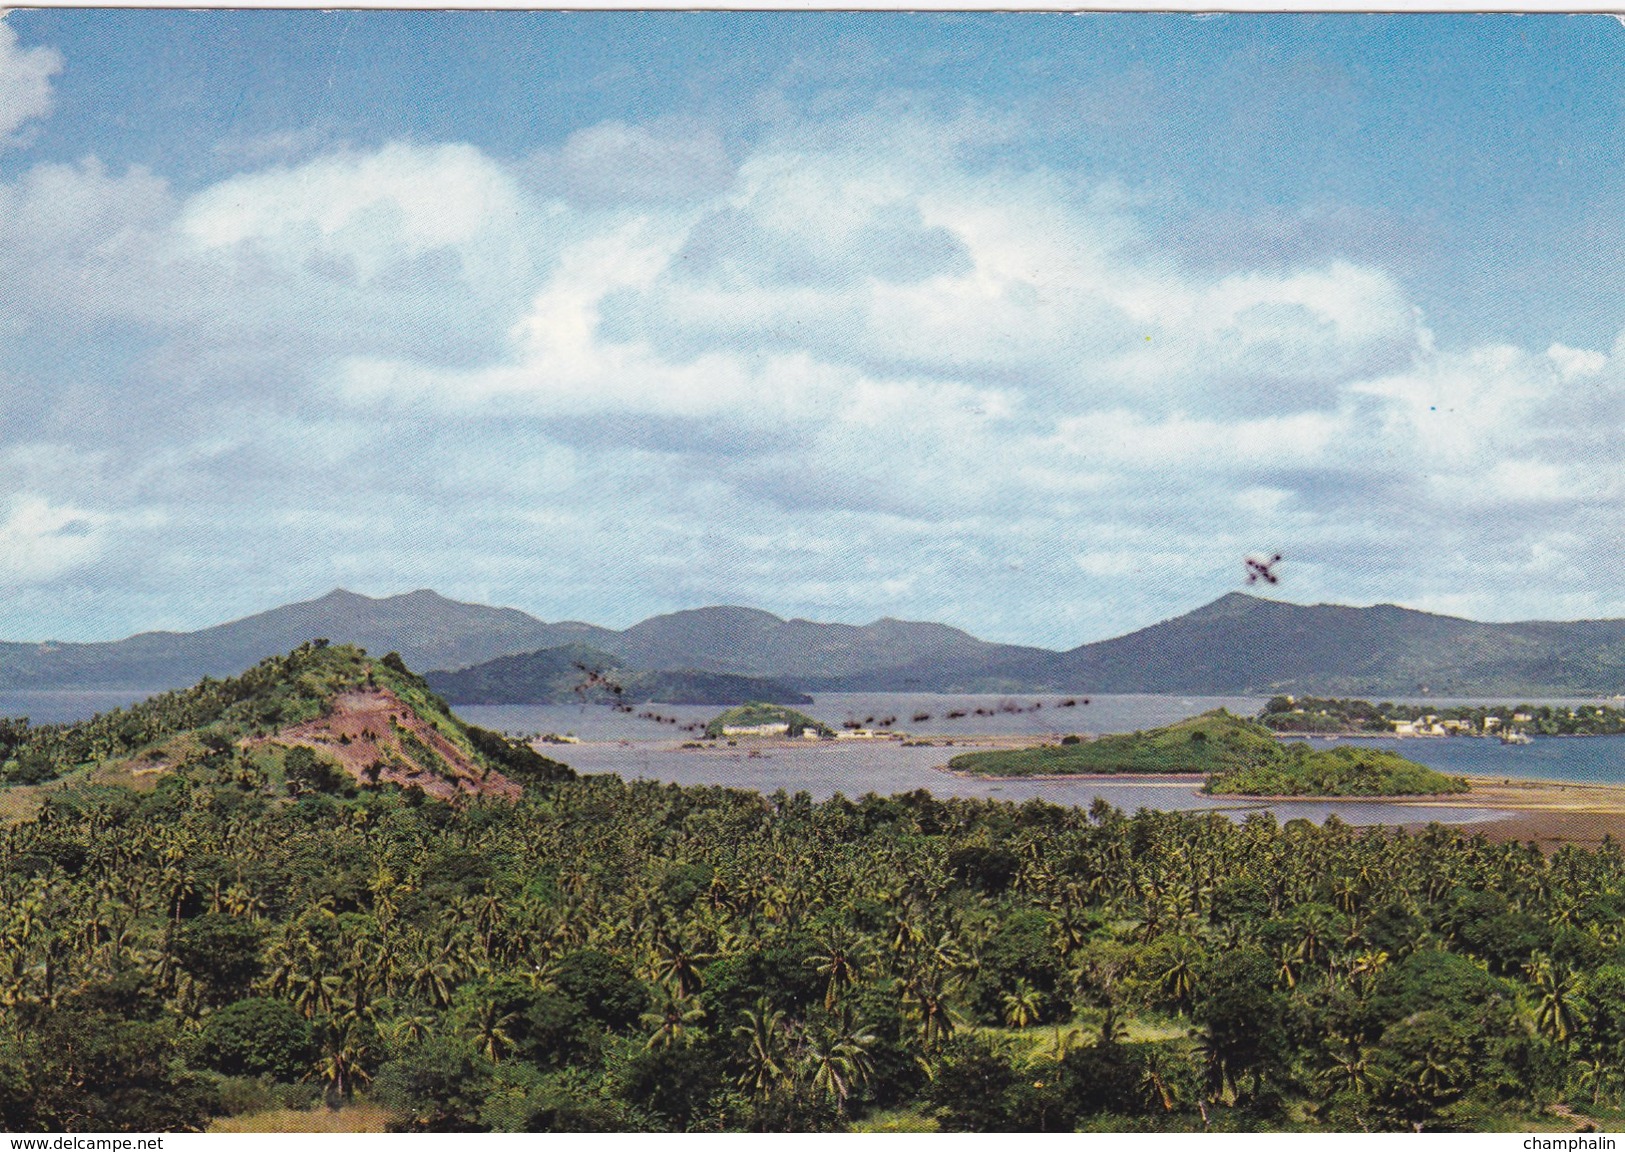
(322, 717)
(1238, 756)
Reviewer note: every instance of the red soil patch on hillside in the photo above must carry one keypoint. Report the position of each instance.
(370, 727)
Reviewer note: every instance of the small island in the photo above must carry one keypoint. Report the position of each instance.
(576, 674)
(762, 719)
(1238, 757)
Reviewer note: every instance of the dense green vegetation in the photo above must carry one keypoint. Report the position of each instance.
(1299, 770)
(1314, 715)
(1310, 714)
(575, 673)
(609, 956)
(606, 956)
(1236, 755)
(758, 713)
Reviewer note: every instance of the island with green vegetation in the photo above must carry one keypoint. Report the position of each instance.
(1313, 715)
(577, 674)
(1236, 755)
(759, 718)
(1196, 746)
(1299, 770)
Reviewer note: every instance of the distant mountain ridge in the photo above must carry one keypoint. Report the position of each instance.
(1238, 644)
(427, 629)
(1244, 645)
(432, 632)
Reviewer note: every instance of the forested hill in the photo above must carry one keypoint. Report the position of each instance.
(1244, 645)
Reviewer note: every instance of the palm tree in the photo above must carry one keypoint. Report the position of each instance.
(1022, 1004)
(1346, 1070)
(927, 996)
(1178, 977)
(411, 1028)
(1366, 967)
(1561, 1009)
(314, 984)
(1287, 963)
(1599, 1074)
(842, 962)
(1063, 1044)
(837, 1056)
(672, 1020)
(344, 1061)
(1155, 1084)
(1070, 933)
(491, 1029)
(763, 1032)
(677, 964)
(431, 975)
(1102, 969)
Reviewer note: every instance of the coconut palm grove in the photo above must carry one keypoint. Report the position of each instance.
(206, 918)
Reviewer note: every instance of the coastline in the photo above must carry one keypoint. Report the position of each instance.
(1549, 813)
(1162, 779)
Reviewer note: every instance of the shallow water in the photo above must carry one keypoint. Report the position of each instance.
(1039, 716)
(1588, 759)
(645, 749)
(885, 767)
(639, 747)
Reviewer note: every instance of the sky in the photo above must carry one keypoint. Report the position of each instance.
(1034, 324)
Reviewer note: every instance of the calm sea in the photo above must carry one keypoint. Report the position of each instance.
(66, 706)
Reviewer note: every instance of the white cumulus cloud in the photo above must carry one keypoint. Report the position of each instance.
(40, 540)
(25, 83)
(837, 374)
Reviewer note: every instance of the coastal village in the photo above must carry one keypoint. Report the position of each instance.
(1513, 724)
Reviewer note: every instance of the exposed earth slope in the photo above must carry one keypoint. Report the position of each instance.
(320, 719)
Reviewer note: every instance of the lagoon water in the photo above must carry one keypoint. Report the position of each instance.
(651, 750)
(636, 747)
(1042, 717)
(1586, 759)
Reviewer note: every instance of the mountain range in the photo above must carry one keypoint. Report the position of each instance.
(1238, 644)
(1245, 645)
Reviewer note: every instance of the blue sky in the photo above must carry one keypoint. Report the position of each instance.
(1035, 324)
